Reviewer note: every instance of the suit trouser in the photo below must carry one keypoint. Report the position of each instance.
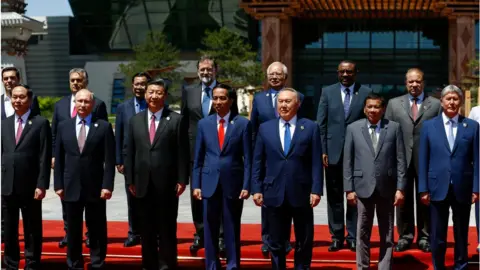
(158, 230)
(265, 226)
(366, 212)
(32, 227)
(133, 222)
(406, 212)
(231, 210)
(439, 211)
(336, 206)
(477, 220)
(96, 221)
(279, 218)
(65, 219)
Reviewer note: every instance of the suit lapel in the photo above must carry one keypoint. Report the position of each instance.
(425, 106)
(26, 129)
(91, 133)
(276, 137)
(131, 107)
(4, 115)
(367, 137)
(161, 125)
(230, 128)
(355, 100)
(406, 106)
(338, 96)
(196, 96)
(73, 133)
(441, 129)
(296, 134)
(269, 104)
(460, 130)
(381, 139)
(11, 126)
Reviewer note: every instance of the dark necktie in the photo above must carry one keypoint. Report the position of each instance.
(451, 137)
(221, 133)
(287, 140)
(82, 136)
(346, 102)
(414, 108)
(152, 128)
(373, 136)
(206, 102)
(19, 130)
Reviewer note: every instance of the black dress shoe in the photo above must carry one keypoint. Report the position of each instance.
(352, 245)
(335, 246)
(264, 250)
(221, 247)
(132, 241)
(288, 247)
(402, 245)
(87, 242)
(196, 245)
(63, 243)
(424, 246)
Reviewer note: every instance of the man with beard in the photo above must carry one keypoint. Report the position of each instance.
(65, 109)
(340, 105)
(197, 104)
(125, 111)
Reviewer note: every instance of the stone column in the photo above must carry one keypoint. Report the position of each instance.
(461, 47)
(277, 43)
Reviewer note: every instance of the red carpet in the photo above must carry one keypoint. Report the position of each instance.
(129, 258)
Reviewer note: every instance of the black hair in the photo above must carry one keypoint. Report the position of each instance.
(29, 91)
(17, 73)
(159, 82)
(346, 61)
(141, 74)
(375, 96)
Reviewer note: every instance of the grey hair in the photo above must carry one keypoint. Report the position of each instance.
(80, 71)
(289, 89)
(284, 68)
(85, 90)
(452, 89)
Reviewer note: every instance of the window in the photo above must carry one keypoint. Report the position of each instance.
(118, 94)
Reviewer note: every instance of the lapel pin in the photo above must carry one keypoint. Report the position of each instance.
(464, 124)
(302, 128)
(268, 94)
(168, 118)
(356, 93)
(231, 122)
(29, 122)
(96, 125)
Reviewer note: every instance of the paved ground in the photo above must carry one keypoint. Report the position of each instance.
(117, 207)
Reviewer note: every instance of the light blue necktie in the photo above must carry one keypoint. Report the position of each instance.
(287, 140)
(275, 95)
(206, 102)
(451, 137)
(346, 102)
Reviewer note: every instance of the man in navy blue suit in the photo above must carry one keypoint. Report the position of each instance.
(264, 109)
(287, 177)
(221, 175)
(448, 175)
(340, 105)
(65, 110)
(125, 111)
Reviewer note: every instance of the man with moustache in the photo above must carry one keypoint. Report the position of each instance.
(340, 105)
(125, 111)
(374, 171)
(197, 104)
(10, 79)
(26, 154)
(221, 175)
(84, 179)
(287, 178)
(410, 111)
(156, 170)
(448, 175)
(65, 109)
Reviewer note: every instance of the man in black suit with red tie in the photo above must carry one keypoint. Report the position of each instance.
(64, 110)
(84, 179)
(26, 154)
(156, 170)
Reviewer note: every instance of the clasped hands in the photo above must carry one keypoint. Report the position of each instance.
(197, 194)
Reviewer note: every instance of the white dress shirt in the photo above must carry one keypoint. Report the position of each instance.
(72, 104)
(24, 121)
(78, 126)
(344, 93)
(475, 113)
(211, 86)
(7, 104)
(281, 123)
(225, 124)
(377, 129)
(419, 100)
(446, 124)
(158, 115)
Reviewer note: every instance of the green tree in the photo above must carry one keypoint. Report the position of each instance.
(471, 81)
(235, 57)
(155, 53)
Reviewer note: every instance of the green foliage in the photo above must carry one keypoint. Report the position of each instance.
(155, 53)
(47, 105)
(472, 82)
(234, 56)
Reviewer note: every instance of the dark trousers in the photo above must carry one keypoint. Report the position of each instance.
(439, 211)
(231, 210)
(158, 229)
(32, 228)
(406, 212)
(133, 222)
(477, 220)
(265, 226)
(279, 218)
(336, 208)
(65, 219)
(96, 221)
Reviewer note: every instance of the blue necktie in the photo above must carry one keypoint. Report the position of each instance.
(287, 140)
(206, 102)
(451, 138)
(141, 106)
(346, 102)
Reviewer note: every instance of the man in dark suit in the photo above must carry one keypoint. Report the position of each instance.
(221, 175)
(448, 175)
(156, 170)
(84, 178)
(374, 169)
(26, 153)
(65, 109)
(197, 104)
(340, 104)
(410, 111)
(287, 178)
(125, 111)
(10, 79)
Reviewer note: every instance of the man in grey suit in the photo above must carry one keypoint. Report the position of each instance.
(410, 111)
(374, 170)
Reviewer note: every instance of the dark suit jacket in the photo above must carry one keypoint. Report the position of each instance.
(162, 164)
(398, 110)
(26, 165)
(62, 112)
(296, 175)
(332, 121)
(438, 165)
(191, 109)
(263, 110)
(34, 108)
(82, 176)
(231, 166)
(125, 111)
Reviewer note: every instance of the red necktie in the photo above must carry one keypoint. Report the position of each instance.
(221, 133)
(74, 113)
(19, 130)
(414, 109)
(152, 128)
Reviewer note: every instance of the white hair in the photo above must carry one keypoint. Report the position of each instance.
(284, 68)
(452, 89)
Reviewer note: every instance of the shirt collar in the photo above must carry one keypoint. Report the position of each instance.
(158, 114)
(139, 102)
(292, 121)
(72, 99)
(24, 117)
(370, 124)
(6, 98)
(420, 97)
(87, 119)
(211, 86)
(273, 91)
(226, 117)
(446, 119)
(351, 87)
